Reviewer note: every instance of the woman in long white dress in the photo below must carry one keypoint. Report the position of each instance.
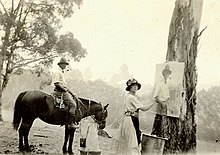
(129, 137)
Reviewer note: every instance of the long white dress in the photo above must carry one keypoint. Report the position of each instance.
(127, 139)
(90, 132)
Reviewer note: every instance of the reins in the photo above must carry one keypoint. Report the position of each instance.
(87, 110)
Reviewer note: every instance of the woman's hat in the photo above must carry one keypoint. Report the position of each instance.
(63, 61)
(166, 70)
(131, 82)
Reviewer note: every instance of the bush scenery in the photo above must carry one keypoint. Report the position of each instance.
(207, 117)
(104, 43)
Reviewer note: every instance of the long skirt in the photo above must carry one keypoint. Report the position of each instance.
(127, 138)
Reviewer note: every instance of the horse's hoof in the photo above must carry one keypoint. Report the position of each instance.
(29, 148)
(71, 153)
(64, 150)
(21, 149)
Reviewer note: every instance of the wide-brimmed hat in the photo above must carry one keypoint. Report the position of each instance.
(63, 61)
(167, 70)
(131, 82)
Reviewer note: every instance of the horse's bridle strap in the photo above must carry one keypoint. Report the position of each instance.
(87, 110)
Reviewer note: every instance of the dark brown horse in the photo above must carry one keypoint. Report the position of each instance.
(37, 104)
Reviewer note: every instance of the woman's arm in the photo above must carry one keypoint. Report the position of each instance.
(145, 108)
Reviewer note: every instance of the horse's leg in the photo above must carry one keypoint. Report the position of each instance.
(25, 128)
(21, 146)
(71, 131)
(66, 137)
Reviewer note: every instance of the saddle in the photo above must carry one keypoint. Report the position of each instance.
(59, 101)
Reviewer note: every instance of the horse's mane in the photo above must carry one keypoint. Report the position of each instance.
(86, 101)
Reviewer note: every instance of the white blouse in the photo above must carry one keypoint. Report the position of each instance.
(132, 103)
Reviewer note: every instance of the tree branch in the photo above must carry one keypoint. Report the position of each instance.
(202, 31)
(50, 5)
(4, 8)
(23, 21)
(31, 61)
(20, 13)
(12, 7)
(29, 10)
(16, 10)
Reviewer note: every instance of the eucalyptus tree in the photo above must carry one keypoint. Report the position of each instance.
(30, 35)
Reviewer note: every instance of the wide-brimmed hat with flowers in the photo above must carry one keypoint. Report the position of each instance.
(131, 82)
(63, 61)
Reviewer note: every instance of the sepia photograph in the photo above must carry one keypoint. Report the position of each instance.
(109, 77)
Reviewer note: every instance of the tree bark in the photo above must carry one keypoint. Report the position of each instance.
(182, 47)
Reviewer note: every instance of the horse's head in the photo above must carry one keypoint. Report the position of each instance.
(101, 115)
(95, 110)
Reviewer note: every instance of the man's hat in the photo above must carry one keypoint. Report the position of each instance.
(166, 70)
(131, 82)
(63, 61)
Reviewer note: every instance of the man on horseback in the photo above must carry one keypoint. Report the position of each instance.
(61, 89)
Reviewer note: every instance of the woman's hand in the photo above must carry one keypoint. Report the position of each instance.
(162, 103)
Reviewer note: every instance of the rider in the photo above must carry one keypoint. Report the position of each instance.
(61, 89)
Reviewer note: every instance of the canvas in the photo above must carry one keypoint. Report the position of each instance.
(175, 86)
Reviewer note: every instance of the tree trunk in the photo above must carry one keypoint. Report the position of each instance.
(5, 44)
(1, 69)
(182, 47)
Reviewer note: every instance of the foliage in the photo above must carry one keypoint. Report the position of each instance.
(25, 80)
(29, 31)
(67, 43)
(208, 116)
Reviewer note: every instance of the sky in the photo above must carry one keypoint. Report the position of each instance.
(135, 33)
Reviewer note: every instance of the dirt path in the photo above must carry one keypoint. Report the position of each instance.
(48, 139)
(44, 140)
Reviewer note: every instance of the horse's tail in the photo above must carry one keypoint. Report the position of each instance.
(17, 111)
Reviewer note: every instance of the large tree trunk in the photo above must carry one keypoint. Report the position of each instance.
(182, 47)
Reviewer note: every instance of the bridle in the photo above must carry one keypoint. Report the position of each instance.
(87, 110)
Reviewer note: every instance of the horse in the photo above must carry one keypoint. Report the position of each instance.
(33, 104)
